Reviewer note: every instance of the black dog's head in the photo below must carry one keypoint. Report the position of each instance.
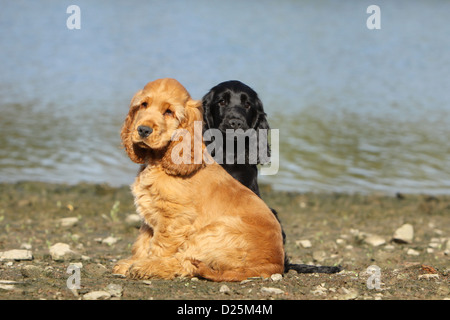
(234, 105)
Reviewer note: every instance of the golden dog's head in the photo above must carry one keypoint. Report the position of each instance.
(156, 112)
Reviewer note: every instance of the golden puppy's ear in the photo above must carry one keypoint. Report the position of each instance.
(135, 153)
(193, 111)
(193, 160)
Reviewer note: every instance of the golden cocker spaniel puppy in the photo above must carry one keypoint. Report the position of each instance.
(198, 220)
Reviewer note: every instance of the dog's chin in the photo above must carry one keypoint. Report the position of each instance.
(141, 144)
(223, 128)
(145, 144)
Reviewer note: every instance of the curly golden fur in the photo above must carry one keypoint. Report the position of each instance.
(198, 220)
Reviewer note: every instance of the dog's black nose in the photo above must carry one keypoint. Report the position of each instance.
(144, 131)
(236, 123)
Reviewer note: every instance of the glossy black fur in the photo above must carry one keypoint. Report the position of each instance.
(234, 105)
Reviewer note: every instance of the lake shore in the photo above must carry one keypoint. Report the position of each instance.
(352, 230)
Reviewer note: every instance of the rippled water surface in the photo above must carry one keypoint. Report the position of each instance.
(357, 110)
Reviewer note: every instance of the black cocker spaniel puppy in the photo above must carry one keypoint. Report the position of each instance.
(232, 105)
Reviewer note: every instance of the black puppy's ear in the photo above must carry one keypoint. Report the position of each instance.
(208, 121)
(261, 125)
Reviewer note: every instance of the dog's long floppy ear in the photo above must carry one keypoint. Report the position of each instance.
(194, 112)
(260, 123)
(207, 114)
(190, 128)
(135, 153)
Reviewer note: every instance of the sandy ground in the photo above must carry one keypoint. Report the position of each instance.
(354, 231)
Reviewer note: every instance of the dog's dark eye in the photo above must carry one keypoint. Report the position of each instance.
(168, 112)
(144, 104)
(222, 103)
(247, 105)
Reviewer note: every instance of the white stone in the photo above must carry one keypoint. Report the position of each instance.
(7, 286)
(319, 290)
(269, 290)
(115, 290)
(374, 240)
(9, 282)
(429, 276)
(319, 256)
(304, 243)
(110, 240)
(97, 295)
(412, 252)
(224, 289)
(133, 220)
(61, 252)
(68, 222)
(276, 277)
(404, 234)
(16, 254)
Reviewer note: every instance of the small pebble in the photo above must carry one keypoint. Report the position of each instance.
(319, 256)
(133, 220)
(271, 290)
(374, 240)
(68, 222)
(412, 252)
(404, 234)
(110, 240)
(62, 252)
(224, 289)
(276, 277)
(97, 295)
(16, 254)
(304, 243)
(429, 276)
(319, 290)
(115, 290)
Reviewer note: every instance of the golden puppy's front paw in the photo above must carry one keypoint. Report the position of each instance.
(140, 270)
(122, 267)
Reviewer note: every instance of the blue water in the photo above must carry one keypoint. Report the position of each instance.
(358, 110)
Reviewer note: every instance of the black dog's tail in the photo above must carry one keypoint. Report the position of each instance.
(307, 268)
